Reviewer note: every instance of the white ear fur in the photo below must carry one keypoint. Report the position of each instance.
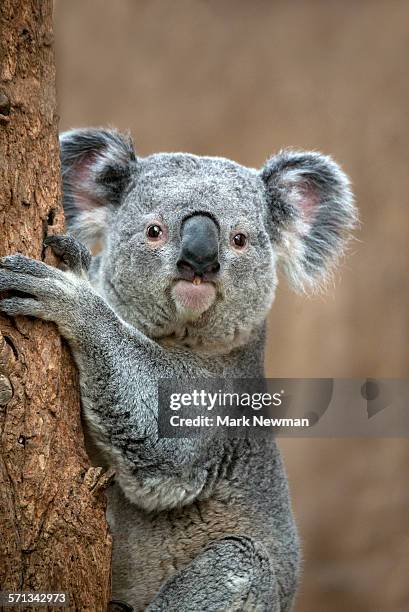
(96, 166)
(312, 213)
(89, 226)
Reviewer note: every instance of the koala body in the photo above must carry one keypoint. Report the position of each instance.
(181, 287)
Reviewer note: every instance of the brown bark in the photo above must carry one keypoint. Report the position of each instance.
(54, 535)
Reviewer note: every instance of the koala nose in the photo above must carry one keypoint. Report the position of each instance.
(199, 253)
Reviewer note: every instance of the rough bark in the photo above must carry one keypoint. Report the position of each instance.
(54, 535)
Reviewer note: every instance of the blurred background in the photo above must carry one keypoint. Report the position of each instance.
(242, 79)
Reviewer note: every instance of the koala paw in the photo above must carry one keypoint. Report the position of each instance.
(33, 288)
(74, 254)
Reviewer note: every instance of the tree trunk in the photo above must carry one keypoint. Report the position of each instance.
(54, 535)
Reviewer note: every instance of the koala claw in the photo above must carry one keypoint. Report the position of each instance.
(73, 253)
(33, 288)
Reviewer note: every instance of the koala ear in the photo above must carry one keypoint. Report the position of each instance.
(311, 212)
(96, 168)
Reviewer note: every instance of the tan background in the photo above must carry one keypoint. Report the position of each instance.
(243, 79)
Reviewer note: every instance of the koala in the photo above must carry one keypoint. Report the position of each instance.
(187, 254)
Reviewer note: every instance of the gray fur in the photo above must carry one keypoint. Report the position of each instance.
(198, 524)
(312, 214)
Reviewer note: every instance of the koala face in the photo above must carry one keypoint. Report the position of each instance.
(188, 255)
(190, 245)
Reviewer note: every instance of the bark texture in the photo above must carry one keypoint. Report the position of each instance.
(54, 535)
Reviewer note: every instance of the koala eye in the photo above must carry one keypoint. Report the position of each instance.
(239, 240)
(154, 231)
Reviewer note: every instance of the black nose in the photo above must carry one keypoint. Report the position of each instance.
(199, 253)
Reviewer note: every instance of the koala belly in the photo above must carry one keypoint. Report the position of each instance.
(149, 548)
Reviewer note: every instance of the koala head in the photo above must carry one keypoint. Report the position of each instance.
(189, 246)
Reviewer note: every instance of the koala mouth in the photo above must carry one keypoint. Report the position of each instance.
(193, 298)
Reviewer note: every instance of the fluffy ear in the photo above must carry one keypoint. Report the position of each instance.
(312, 213)
(96, 168)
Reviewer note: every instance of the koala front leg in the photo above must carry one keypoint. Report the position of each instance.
(119, 368)
(51, 294)
(231, 574)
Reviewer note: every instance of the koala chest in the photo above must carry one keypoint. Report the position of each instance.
(149, 548)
